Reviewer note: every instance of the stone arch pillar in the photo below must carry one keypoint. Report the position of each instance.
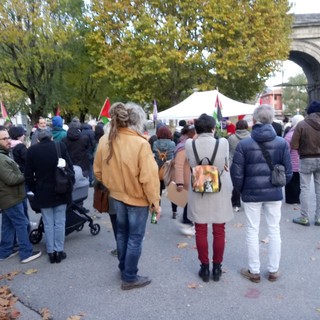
(305, 50)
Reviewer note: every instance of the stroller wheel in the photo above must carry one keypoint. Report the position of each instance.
(95, 229)
(80, 227)
(35, 236)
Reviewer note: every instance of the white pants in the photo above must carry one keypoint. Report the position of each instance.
(272, 212)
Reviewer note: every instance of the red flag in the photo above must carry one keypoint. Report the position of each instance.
(4, 112)
(104, 113)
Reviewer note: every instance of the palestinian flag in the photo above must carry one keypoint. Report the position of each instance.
(104, 113)
(217, 112)
(4, 113)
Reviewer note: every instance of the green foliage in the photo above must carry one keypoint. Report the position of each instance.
(59, 52)
(43, 54)
(295, 96)
(156, 49)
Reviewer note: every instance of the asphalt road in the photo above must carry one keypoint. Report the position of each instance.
(87, 283)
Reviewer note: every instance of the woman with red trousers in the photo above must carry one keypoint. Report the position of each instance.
(210, 208)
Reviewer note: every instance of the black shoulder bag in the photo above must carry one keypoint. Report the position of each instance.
(64, 175)
(278, 171)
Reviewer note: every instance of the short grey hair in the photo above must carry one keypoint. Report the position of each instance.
(263, 114)
(137, 117)
(43, 134)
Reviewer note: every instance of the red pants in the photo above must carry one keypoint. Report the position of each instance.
(218, 231)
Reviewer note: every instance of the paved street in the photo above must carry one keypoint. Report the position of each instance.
(87, 283)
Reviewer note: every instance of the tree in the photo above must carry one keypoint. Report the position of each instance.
(163, 49)
(295, 96)
(33, 39)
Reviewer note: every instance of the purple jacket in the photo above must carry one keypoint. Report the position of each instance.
(293, 153)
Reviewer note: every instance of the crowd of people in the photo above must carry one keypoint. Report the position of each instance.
(127, 161)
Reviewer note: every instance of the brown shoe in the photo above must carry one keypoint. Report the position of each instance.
(254, 277)
(273, 276)
(139, 283)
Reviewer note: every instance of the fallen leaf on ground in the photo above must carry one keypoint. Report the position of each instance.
(182, 245)
(318, 246)
(30, 271)
(74, 318)
(9, 276)
(193, 285)
(318, 309)
(265, 240)
(45, 313)
(313, 258)
(7, 302)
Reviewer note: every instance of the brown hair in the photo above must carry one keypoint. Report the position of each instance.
(164, 133)
(242, 124)
(119, 119)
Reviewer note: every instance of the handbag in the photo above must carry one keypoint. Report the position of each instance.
(168, 172)
(205, 178)
(64, 176)
(100, 198)
(278, 171)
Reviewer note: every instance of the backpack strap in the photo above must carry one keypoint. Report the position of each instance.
(196, 153)
(215, 151)
(266, 155)
(57, 145)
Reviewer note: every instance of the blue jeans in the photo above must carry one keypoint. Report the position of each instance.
(54, 220)
(15, 223)
(309, 167)
(131, 226)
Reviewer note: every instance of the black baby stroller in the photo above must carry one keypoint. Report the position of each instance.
(76, 215)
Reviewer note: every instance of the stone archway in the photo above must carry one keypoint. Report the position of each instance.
(305, 50)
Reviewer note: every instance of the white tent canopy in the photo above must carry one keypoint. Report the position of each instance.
(204, 102)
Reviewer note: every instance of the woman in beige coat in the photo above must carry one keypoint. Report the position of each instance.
(210, 208)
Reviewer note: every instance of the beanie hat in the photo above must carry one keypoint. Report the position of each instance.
(314, 107)
(57, 121)
(16, 132)
(296, 119)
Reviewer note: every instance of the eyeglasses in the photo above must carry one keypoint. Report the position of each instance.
(5, 139)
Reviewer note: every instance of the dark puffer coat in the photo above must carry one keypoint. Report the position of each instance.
(78, 146)
(250, 172)
(42, 160)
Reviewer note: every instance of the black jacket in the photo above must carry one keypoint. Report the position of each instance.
(42, 160)
(78, 146)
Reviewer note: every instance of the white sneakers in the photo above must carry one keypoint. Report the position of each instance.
(186, 229)
(34, 255)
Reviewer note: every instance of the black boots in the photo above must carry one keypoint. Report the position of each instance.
(60, 256)
(216, 271)
(56, 257)
(52, 257)
(204, 272)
